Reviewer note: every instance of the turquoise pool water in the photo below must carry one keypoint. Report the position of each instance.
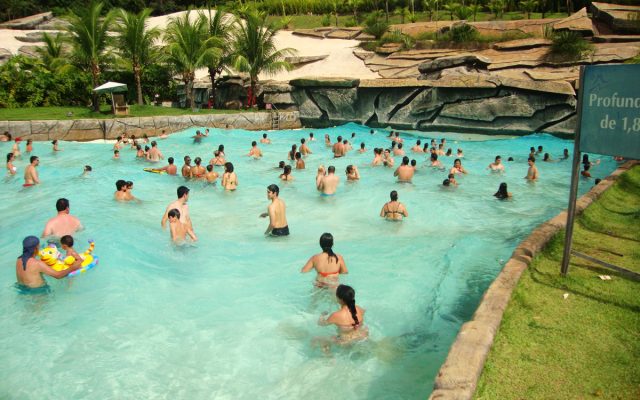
(232, 317)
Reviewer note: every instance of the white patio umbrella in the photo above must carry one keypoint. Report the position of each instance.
(111, 87)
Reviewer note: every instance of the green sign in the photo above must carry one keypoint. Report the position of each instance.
(610, 109)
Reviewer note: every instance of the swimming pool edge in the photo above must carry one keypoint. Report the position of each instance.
(92, 129)
(459, 374)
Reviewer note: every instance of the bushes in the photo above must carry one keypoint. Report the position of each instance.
(569, 45)
(375, 25)
(396, 36)
(25, 82)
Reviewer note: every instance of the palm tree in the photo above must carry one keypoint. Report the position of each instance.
(52, 54)
(87, 34)
(528, 6)
(189, 48)
(255, 50)
(429, 6)
(220, 29)
(136, 43)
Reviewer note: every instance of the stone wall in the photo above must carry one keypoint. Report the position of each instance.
(91, 129)
(458, 376)
(464, 103)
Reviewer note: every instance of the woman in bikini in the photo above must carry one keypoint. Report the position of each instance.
(218, 158)
(29, 146)
(198, 171)
(349, 319)
(394, 210)
(229, 178)
(11, 169)
(327, 264)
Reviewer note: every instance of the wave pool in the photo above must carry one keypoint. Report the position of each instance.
(231, 317)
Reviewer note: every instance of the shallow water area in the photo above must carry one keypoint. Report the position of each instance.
(231, 317)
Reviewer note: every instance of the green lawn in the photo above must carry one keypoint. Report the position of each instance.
(36, 113)
(587, 346)
(315, 21)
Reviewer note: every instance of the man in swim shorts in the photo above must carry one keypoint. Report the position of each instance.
(328, 184)
(265, 139)
(183, 208)
(63, 223)
(30, 173)
(29, 270)
(276, 212)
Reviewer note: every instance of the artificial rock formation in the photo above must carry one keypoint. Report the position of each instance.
(462, 103)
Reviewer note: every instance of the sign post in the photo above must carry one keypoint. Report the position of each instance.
(608, 123)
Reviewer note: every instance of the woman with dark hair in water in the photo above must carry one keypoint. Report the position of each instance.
(394, 210)
(502, 192)
(349, 319)
(585, 160)
(229, 178)
(327, 264)
(11, 169)
(292, 153)
(286, 173)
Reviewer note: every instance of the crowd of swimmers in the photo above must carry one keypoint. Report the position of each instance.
(349, 319)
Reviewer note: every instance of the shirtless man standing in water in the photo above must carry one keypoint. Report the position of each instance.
(329, 183)
(404, 172)
(63, 223)
(186, 168)
(276, 212)
(183, 208)
(29, 269)
(154, 154)
(338, 148)
(532, 172)
(30, 173)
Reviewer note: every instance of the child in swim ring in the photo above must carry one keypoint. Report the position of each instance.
(66, 243)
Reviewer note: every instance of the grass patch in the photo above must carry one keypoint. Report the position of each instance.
(315, 21)
(589, 344)
(40, 113)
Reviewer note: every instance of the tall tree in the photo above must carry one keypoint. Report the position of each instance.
(87, 34)
(255, 50)
(218, 27)
(189, 47)
(136, 43)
